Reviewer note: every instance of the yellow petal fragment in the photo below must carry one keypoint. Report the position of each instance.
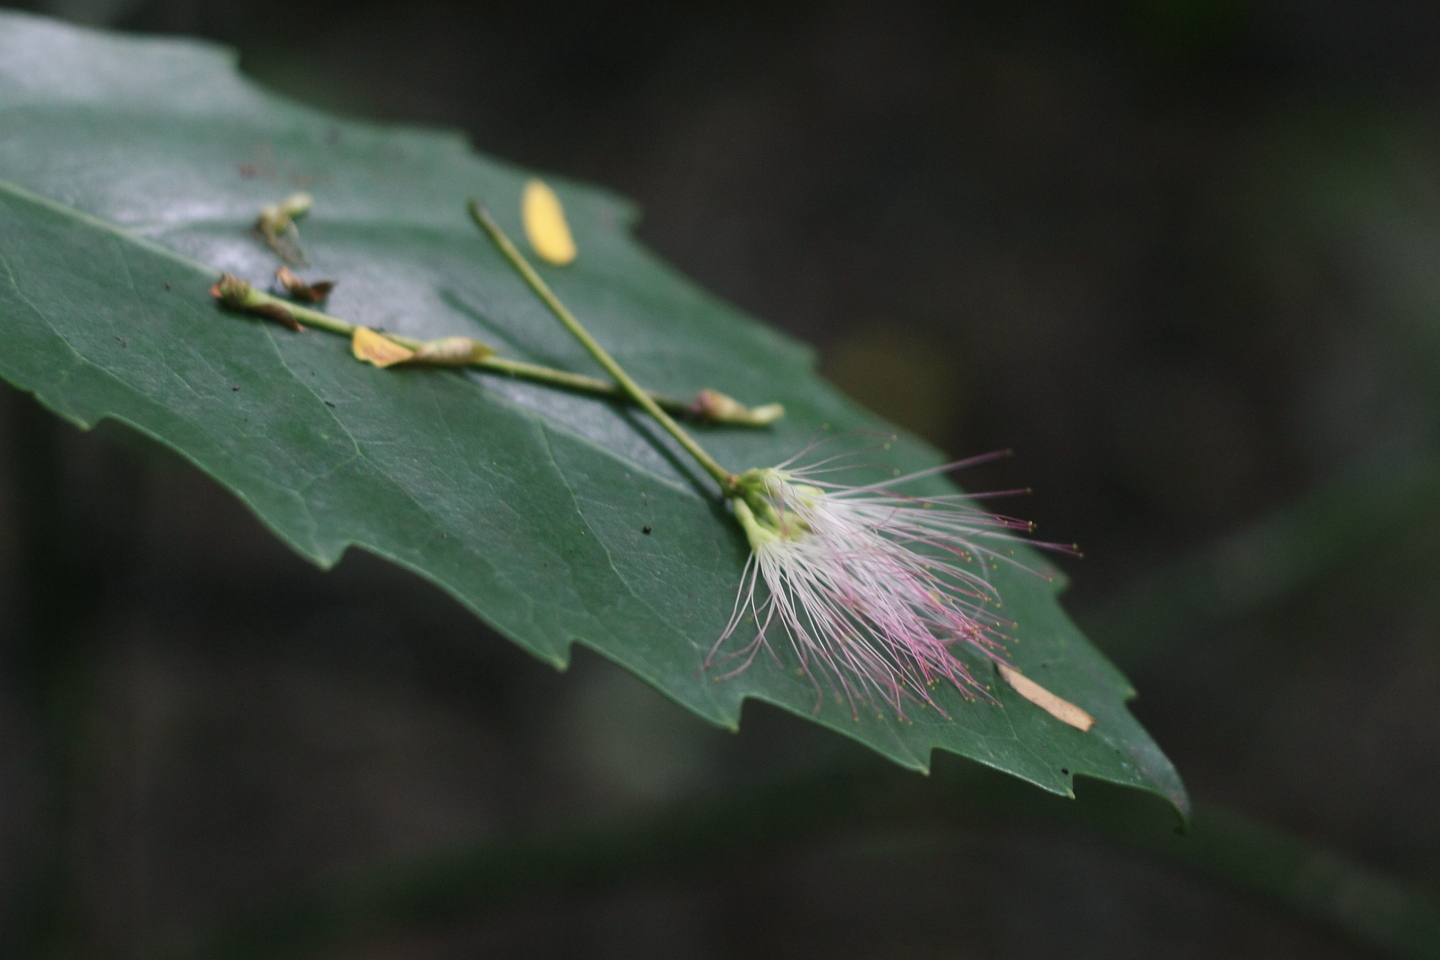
(545, 225)
(1062, 710)
(451, 352)
(371, 347)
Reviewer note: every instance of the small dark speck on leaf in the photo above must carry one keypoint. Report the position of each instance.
(329, 404)
(645, 529)
(1065, 771)
(167, 284)
(123, 341)
(236, 389)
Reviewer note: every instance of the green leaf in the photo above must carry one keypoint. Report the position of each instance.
(134, 170)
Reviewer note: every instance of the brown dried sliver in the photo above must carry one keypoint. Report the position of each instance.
(1058, 707)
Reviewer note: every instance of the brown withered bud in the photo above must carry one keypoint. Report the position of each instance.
(300, 290)
(231, 290)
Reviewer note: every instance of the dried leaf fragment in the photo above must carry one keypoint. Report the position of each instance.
(302, 290)
(277, 313)
(380, 350)
(276, 224)
(371, 347)
(1061, 709)
(545, 224)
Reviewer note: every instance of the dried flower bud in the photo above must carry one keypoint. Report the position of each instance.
(380, 350)
(451, 352)
(276, 224)
(231, 291)
(716, 407)
(237, 294)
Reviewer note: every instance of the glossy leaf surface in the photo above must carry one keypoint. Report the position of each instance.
(133, 170)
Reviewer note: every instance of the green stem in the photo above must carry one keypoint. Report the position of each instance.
(254, 299)
(577, 381)
(726, 479)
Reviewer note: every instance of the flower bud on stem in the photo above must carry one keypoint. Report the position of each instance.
(238, 294)
(276, 224)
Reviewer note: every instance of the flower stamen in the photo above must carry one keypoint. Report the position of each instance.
(877, 590)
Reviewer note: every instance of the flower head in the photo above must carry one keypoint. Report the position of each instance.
(877, 590)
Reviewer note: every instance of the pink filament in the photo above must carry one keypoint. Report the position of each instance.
(863, 607)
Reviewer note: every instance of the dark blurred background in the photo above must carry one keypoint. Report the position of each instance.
(1182, 255)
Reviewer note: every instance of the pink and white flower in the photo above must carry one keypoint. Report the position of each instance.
(877, 590)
